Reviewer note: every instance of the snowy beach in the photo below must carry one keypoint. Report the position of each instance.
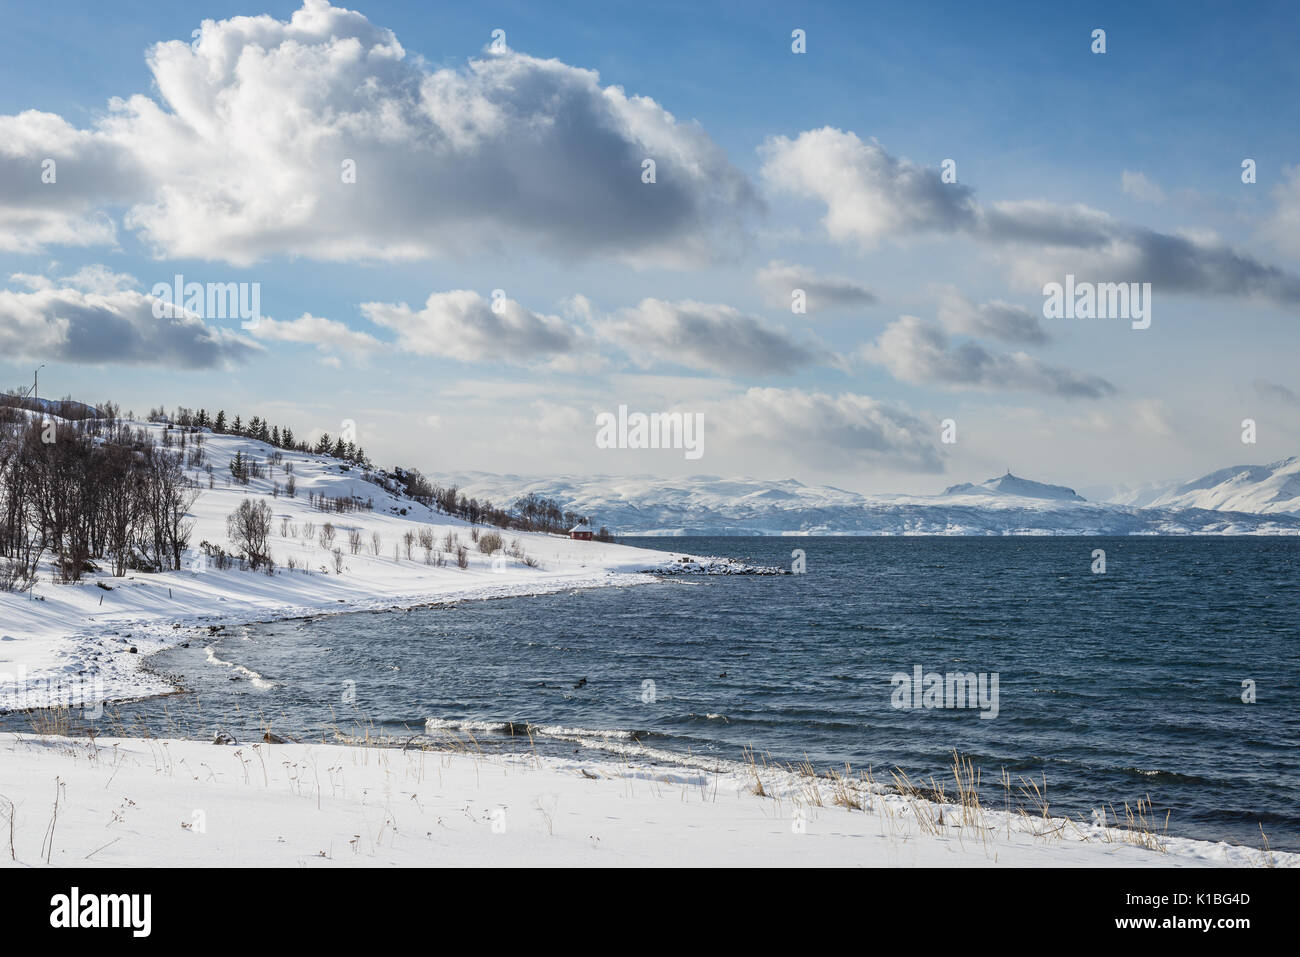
(158, 802)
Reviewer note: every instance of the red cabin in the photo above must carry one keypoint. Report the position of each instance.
(581, 532)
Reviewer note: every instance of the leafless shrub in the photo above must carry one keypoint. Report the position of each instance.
(249, 528)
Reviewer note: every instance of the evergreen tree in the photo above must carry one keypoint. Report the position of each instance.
(237, 426)
(220, 424)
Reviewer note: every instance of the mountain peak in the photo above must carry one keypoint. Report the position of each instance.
(1009, 484)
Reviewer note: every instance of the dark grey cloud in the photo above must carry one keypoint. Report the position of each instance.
(870, 194)
(68, 325)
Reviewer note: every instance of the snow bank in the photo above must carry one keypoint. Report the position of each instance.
(134, 802)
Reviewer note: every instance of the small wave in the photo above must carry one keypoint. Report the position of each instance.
(620, 745)
(258, 680)
(434, 725)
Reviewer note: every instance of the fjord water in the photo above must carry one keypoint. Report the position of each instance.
(1112, 686)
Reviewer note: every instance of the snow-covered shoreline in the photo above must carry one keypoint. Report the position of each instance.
(158, 802)
(140, 801)
(81, 643)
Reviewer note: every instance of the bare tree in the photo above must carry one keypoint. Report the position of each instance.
(249, 528)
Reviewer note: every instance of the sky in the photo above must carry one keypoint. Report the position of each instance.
(457, 255)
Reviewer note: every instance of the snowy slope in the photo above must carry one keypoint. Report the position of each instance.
(709, 505)
(1242, 488)
(65, 408)
(1014, 485)
(84, 641)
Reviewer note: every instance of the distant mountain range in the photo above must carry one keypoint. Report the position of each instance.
(1242, 500)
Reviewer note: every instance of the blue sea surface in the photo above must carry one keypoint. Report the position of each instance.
(1112, 687)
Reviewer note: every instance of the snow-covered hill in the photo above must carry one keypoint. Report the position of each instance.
(1014, 485)
(710, 505)
(60, 408)
(83, 641)
(1264, 489)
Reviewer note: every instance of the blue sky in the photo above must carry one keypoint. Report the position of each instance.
(1133, 156)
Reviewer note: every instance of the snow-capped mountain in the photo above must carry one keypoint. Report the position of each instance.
(711, 505)
(1014, 485)
(1263, 489)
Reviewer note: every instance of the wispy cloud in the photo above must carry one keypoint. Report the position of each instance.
(1141, 187)
(819, 430)
(995, 319)
(778, 281)
(708, 336)
(327, 335)
(920, 352)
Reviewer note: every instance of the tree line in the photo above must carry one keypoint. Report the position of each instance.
(263, 431)
(530, 513)
(87, 490)
(91, 487)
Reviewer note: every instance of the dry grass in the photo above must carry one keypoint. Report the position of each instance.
(934, 810)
